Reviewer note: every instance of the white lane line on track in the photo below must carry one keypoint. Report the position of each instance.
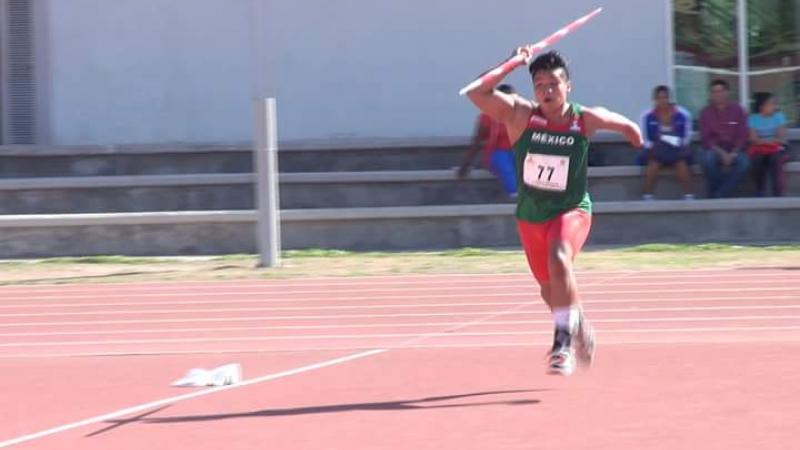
(335, 307)
(414, 337)
(178, 398)
(527, 293)
(714, 273)
(425, 314)
(327, 292)
(526, 341)
(151, 405)
(158, 403)
(396, 325)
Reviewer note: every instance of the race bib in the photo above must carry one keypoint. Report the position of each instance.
(546, 172)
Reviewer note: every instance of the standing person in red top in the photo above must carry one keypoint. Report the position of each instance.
(491, 140)
(723, 129)
(551, 147)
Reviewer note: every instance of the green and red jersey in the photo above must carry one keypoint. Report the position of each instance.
(552, 165)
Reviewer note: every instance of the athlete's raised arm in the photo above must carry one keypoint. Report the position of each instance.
(500, 106)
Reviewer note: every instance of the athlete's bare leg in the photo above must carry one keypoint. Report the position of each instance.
(572, 330)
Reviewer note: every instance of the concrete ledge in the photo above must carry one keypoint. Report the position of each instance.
(328, 144)
(334, 143)
(122, 149)
(333, 190)
(701, 205)
(217, 232)
(380, 176)
(397, 212)
(146, 193)
(371, 143)
(388, 176)
(35, 161)
(367, 143)
(630, 171)
(401, 212)
(627, 207)
(344, 144)
(142, 218)
(10, 184)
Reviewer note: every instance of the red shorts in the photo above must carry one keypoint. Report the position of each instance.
(572, 227)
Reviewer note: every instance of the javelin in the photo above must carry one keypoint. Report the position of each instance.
(537, 47)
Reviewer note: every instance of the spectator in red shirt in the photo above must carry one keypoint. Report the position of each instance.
(723, 130)
(491, 140)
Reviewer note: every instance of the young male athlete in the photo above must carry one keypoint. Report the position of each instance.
(551, 144)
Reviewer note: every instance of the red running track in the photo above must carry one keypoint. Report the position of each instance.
(687, 360)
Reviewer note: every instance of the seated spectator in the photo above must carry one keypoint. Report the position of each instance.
(767, 143)
(667, 133)
(497, 153)
(723, 128)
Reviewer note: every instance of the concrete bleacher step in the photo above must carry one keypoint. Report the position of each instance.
(309, 190)
(80, 161)
(151, 200)
(619, 154)
(236, 191)
(427, 154)
(619, 183)
(126, 193)
(25, 161)
(34, 161)
(396, 228)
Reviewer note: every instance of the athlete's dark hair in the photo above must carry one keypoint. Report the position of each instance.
(759, 99)
(659, 89)
(506, 89)
(720, 82)
(551, 60)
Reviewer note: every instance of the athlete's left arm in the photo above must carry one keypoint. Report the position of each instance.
(598, 118)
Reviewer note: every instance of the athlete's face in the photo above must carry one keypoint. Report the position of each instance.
(551, 88)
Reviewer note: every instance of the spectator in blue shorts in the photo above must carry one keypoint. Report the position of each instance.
(667, 133)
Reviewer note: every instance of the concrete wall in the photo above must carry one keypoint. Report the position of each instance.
(393, 68)
(149, 71)
(400, 228)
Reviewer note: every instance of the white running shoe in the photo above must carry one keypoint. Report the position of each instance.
(561, 362)
(561, 358)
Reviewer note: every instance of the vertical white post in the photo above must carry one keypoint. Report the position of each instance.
(265, 153)
(669, 28)
(744, 64)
